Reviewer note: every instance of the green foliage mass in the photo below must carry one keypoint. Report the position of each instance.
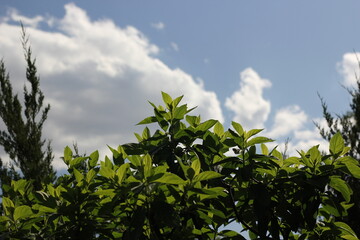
(189, 179)
(348, 125)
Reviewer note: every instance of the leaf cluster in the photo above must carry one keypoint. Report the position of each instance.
(189, 179)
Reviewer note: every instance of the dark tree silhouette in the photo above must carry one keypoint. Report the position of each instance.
(22, 139)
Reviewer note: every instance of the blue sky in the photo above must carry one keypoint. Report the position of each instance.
(257, 62)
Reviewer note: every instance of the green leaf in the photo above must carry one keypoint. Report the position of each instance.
(258, 140)
(148, 120)
(170, 178)
(336, 144)
(19, 186)
(44, 209)
(346, 229)
(177, 101)
(22, 212)
(331, 206)
(349, 237)
(105, 192)
(219, 129)
(135, 160)
(146, 133)
(315, 155)
(353, 169)
(94, 157)
(79, 177)
(166, 98)
(264, 149)
(106, 172)
(193, 120)
(291, 161)
(76, 161)
(206, 125)
(252, 132)
(238, 128)
(138, 137)
(121, 172)
(340, 185)
(277, 154)
(90, 175)
(206, 175)
(108, 162)
(147, 165)
(67, 155)
(196, 165)
(180, 112)
(7, 202)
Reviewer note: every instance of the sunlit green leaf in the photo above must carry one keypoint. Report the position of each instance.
(94, 157)
(106, 172)
(105, 192)
(77, 161)
(170, 178)
(19, 186)
(340, 185)
(193, 120)
(90, 175)
(67, 155)
(147, 165)
(238, 128)
(353, 169)
(219, 129)
(177, 100)
(121, 172)
(258, 140)
(22, 212)
(42, 208)
(206, 125)
(148, 120)
(196, 165)
(206, 175)
(166, 98)
(336, 144)
(346, 229)
(264, 149)
(252, 132)
(180, 112)
(146, 133)
(79, 177)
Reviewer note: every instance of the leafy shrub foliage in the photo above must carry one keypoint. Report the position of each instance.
(180, 182)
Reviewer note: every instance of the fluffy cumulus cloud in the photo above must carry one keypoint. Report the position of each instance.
(291, 127)
(97, 78)
(288, 119)
(247, 103)
(349, 68)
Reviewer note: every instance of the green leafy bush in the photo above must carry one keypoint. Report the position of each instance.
(180, 182)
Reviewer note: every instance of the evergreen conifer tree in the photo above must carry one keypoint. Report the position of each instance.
(22, 139)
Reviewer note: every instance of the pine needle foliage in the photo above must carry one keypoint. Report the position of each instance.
(22, 139)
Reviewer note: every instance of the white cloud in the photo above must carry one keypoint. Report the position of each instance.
(349, 68)
(158, 25)
(98, 78)
(174, 46)
(288, 119)
(248, 104)
(14, 15)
